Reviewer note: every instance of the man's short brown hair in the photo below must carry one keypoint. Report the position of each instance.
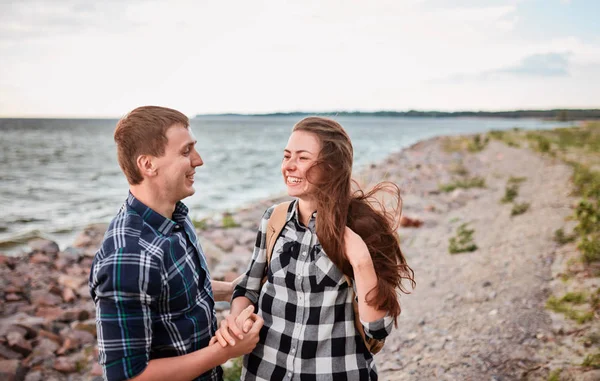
(143, 132)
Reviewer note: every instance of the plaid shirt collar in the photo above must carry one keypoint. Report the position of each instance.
(157, 221)
(295, 215)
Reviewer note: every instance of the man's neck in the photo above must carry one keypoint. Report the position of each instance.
(153, 199)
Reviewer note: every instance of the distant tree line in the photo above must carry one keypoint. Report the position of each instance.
(556, 114)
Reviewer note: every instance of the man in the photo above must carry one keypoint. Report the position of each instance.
(149, 280)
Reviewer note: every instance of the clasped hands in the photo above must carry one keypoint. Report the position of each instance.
(241, 330)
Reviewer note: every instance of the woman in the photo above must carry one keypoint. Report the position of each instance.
(332, 234)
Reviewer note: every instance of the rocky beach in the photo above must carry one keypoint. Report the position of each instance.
(500, 295)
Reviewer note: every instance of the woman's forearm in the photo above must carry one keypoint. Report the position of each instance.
(365, 278)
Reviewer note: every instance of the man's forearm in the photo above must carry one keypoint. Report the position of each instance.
(186, 367)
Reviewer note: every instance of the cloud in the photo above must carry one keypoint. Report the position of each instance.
(544, 65)
(532, 66)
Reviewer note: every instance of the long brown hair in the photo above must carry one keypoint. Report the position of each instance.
(341, 202)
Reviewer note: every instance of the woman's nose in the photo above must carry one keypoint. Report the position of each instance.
(290, 165)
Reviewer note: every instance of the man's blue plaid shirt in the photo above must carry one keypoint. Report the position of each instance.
(152, 291)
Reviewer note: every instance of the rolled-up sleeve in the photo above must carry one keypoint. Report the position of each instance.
(249, 286)
(125, 287)
(378, 329)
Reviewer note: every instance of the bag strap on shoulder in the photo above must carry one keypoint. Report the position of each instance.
(276, 224)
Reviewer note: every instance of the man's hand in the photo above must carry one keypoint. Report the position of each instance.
(235, 326)
(248, 340)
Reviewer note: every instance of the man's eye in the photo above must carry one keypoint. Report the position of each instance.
(303, 158)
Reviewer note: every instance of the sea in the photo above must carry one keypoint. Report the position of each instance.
(59, 175)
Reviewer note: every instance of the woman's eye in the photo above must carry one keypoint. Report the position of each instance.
(303, 158)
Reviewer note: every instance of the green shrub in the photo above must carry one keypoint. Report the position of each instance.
(473, 182)
(463, 242)
(228, 221)
(574, 297)
(555, 375)
(233, 372)
(561, 238)
(516, 180)
(592, 360)
(477, 144)
(590, 248)
(564, 306)
(201, 224)
(518, 209)
(510, 193)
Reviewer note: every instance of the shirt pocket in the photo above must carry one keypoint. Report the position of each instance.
(284, 251)
(327, 274)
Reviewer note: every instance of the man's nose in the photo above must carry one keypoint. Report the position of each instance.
(197, 160)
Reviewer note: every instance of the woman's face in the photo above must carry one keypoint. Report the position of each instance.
(300, 154)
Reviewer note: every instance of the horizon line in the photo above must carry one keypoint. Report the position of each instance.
(298, 112)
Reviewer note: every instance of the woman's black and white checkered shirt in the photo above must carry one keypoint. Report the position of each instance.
(309, 331)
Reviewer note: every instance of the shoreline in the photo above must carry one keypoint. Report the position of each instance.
(477, 314)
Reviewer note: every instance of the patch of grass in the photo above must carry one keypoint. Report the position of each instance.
(228, 221)
(561, 238)
(541, 142)
(201, 224)
(463, 242)
(459, 169)
(465, 143)
(510, 193)
(454, 144)
(592, 360)
(555, 375)
(233, 372)
(506, 137)
(518, 209)
(565, 304)
(473, 182)
(497, 134)
(516, 180)
(586, 181)
(574, 297)
(590, 248)
(477, 144)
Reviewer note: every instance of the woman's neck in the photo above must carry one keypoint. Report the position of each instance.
(306, 207)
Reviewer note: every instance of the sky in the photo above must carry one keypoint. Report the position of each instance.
(68, 58)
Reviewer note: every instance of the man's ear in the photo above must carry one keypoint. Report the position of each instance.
(145, 164)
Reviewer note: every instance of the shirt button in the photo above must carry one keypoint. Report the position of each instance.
(293, 350)
(299, 276)
(304, 253)
(290, 374)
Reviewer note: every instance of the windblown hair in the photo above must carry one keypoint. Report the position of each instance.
(143, 132)
(339, 205)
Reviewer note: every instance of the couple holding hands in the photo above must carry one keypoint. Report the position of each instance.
(319, 295)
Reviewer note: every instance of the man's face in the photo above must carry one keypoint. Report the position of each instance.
(176, 168)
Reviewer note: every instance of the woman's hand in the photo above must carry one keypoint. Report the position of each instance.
(234, 326)
(356, 250)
